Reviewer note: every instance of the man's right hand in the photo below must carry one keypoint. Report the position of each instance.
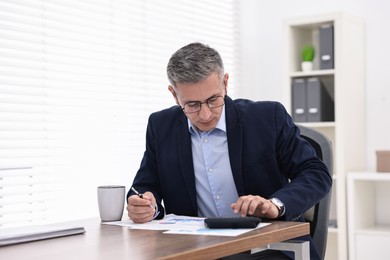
(141, 210)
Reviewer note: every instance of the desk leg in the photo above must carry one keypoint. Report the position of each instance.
(300, 248)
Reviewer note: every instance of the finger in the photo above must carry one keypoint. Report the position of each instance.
(140, 218)
(255, 203)
(237, 206)
(245, 207)
(242, 205)
(137, 201)
(140, 214)
(143, 207)
(149, 196)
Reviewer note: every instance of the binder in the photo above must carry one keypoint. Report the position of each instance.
(298, 91)
(326, 47)
(319, 104)
(10, 236)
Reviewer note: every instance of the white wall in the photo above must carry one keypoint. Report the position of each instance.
(262, 55)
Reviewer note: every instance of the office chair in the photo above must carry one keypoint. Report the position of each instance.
(318, 215)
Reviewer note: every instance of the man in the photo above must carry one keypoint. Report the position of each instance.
(213, 156)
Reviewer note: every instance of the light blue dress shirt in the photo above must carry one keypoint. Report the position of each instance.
(215, 187)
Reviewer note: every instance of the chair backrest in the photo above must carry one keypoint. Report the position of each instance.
(318, 215)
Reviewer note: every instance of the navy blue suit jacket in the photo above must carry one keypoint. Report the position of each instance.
(265, 152)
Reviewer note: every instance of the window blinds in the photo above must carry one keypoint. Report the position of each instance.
(78, 79)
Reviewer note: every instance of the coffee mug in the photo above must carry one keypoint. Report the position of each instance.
(111, 199)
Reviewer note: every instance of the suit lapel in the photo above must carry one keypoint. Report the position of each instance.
(185, 159)
(234, 136)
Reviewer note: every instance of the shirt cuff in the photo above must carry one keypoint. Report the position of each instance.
(156, 212)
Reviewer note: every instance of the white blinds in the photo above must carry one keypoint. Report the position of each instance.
(78, 79)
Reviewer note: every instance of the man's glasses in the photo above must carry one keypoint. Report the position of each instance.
(196, 106)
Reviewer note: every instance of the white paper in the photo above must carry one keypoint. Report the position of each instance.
(175, 224)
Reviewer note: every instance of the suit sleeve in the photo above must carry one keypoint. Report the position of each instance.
(310, 180)
(146, 178)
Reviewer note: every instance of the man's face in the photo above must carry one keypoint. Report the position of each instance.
(206, 119)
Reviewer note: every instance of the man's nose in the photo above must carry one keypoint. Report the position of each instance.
(205, 111)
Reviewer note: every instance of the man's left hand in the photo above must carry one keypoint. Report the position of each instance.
(255, 206)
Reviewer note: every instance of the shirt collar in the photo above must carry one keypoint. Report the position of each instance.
(221, 125)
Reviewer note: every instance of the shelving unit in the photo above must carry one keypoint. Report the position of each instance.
(345, 84)
(368, 215)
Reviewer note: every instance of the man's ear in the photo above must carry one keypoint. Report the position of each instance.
(173, 92)
(225, 81)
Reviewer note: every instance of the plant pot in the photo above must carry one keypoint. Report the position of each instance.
(307, 65)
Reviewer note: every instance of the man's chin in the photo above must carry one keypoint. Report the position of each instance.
(206, 128)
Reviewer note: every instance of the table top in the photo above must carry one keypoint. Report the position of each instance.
(115, 242)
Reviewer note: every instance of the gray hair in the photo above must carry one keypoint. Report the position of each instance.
(193, 63)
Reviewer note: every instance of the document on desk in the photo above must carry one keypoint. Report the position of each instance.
(9, 236)
(174, 224)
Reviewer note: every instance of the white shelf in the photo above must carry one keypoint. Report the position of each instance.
(345, 85)
(374, 230)
(371, 176)
(368, 214)
(318, 124)
(298, 74)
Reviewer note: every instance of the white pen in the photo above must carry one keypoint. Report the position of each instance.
(140, 195)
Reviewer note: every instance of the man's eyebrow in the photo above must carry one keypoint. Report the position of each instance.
(193, 101)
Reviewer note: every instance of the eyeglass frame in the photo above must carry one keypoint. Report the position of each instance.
(200, 103)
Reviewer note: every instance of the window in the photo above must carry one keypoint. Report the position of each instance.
(78, 80)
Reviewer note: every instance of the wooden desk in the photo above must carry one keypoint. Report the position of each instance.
(114, 242)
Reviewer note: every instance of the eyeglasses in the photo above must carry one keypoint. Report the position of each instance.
(196, 106)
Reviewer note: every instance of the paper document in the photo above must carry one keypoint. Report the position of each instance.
(9, 236)
(174, 224)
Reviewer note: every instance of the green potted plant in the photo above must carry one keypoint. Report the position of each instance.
(307, 54)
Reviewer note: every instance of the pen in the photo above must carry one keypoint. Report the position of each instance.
(140, 195)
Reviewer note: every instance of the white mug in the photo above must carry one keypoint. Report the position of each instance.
(111, 199)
